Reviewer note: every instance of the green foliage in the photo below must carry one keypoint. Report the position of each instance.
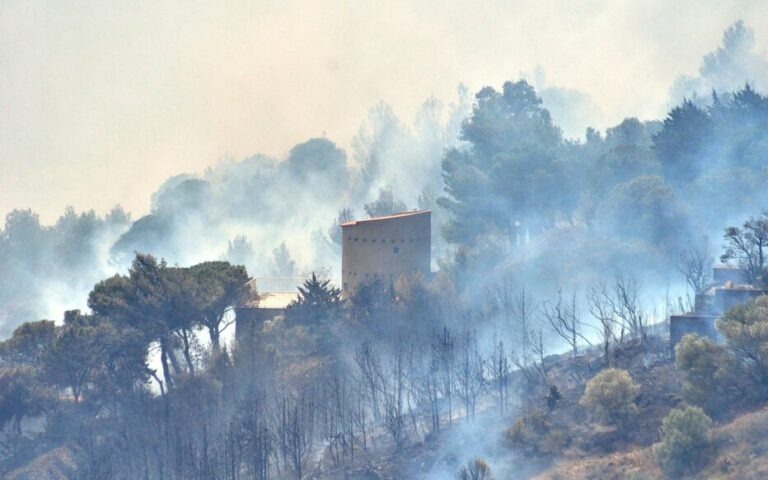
(318, 303)
(531, 429)
(745, 328)
(511, 170)
(28, 342)
(685, 441)
(385, 204)
(657, 215)
(21, 395)
(476, 469)
(707, 368)
(610, 395)
(687, 130)
(213, 289)
(91, 352)
(320, 163)
(372, 301)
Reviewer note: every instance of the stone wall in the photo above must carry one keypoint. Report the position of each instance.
(385, 248)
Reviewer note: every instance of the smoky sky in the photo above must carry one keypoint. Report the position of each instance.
(102, 101)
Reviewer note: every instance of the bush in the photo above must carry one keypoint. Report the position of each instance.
(706, 369)
(745, 328)
(475, 469)
(610, 396)
(685, 442)
(518, 433)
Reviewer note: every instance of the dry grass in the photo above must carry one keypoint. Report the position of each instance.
(58, 464)
(741, 454)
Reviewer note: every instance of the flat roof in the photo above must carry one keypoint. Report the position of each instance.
(386, 217)
(272, 300)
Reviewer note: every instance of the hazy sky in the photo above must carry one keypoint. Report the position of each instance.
(101, 101)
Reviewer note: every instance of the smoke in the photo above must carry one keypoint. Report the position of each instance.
(49, 269)
(734, 63)
(277, 216)
(572, 110)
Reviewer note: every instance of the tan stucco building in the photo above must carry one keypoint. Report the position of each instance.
(385, 248)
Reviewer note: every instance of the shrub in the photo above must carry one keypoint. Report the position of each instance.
(518, 433)
(529, 428)
(745, 328)
(610, 395)
(475, 469)
(706, 369)
(685, 442)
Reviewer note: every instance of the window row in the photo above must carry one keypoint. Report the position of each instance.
(383, 241)
(375, 274)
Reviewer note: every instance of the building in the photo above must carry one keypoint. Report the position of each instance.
(272, 297)
(728, 289)
(385, 248)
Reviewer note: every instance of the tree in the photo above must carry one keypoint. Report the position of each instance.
(745, 328)
(240, 251)
(28, 343)
(282, 265)
(510, 173)
(385, 204)
(444, 353)
(21, 395)
(685, 441)
(320, 163)
(334, 231)
(564, 320)
(610, 395)
(644, 208)
(679, 145)
(318, 303)
(77, 352)
(148, 300)
(748, 245)
(694, 262)
(217, 289)
(600, 306)
(372, 303)
(469, 376)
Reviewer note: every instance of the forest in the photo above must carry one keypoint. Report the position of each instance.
(556, 264)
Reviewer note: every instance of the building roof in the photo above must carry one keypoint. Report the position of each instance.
(272, 300)
(386, 217)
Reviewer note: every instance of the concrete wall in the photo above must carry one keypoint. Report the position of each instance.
(727, 298)
(722, 274)
(702, 325)
(385, 247)
(248, 322)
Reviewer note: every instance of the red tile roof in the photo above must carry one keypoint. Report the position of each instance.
(386, 217)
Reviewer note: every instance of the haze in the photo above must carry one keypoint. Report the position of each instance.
(102, 102)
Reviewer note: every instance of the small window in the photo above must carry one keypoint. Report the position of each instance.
(349, 238)
(346, 286)
(393, 240)
(410, 240)
(395, 250)
(365, 240)
(373, 240)
(402, 240)
(356, 238)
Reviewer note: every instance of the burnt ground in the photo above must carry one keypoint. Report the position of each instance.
(560, 436)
